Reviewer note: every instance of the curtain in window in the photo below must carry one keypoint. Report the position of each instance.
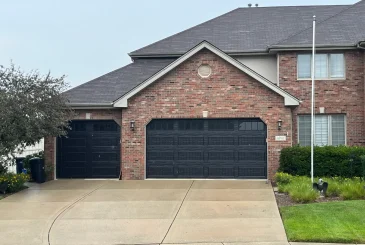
(304, 130)
(321, 130)
(337, 66)
(304, 66)
(321, 66)
(338, 130)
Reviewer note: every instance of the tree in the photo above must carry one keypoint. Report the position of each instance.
(31, 108)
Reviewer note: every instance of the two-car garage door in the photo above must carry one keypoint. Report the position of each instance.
(206, 148)
(175, 148)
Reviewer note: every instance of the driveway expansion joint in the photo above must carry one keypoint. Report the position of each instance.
(182, 202)
(68, 208)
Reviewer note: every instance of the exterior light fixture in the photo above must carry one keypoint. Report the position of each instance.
(279, 124)
(132, 125)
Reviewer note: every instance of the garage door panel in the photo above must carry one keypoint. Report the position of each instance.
(161, 140)
(190, 140)
(205, 148)
(252, 172)
(184, 171)
(90, 150)
(105, 171)
(222, 172)
(161, 171)
(74, 142)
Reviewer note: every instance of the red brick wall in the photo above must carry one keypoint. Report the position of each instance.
(96, 114)
(336, 96)
(182, 93)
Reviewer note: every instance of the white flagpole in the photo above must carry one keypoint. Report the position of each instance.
(312, 106)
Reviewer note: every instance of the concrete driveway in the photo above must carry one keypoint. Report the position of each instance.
(76, 212)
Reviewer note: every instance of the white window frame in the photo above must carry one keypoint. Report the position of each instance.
(328, 68)
(329, 126)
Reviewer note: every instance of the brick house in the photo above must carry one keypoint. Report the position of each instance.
(221, 99)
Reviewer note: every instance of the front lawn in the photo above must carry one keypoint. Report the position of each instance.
(341, 222)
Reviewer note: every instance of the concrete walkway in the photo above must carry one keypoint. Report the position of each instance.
(80, 212)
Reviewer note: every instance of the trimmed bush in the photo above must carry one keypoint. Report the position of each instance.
(15, 181)
(344, 161)
(282, 178)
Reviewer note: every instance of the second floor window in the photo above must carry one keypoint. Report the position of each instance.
(328, 66)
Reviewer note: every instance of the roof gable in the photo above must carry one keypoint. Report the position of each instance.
(289, 100)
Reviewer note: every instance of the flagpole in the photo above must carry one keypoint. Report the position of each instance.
(312, 106)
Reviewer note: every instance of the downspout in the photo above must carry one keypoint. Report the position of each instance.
(361, 45)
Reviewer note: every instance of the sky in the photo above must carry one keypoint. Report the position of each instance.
(84, 39)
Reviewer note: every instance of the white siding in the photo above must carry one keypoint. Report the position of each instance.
(28, 151)
(265, 65)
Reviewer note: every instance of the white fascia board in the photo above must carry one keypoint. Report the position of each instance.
(289, 100)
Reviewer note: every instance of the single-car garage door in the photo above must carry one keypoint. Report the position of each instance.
(90, 150)
(206, 148)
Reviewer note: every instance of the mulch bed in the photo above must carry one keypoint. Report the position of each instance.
(283, 200)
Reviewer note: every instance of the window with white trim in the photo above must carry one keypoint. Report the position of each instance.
(329, 130)
(328, 66)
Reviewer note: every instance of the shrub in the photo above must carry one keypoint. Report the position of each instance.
(345, 161)
(15, 181)
(352, 189)
(299, 188)
(303, 193)
(334, 189)
(282, 178)
(3, 168)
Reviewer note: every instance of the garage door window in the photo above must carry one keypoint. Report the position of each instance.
(105, 127)
(248, 125)
(191, 125)
(220, 125)
(161, 125)
(78, 126)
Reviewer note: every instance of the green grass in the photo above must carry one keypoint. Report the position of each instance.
(341, 222)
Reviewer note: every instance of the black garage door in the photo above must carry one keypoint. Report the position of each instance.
(90, 150)
(207, 148)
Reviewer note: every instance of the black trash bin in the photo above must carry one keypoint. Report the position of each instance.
(19, 165)
(37, 169)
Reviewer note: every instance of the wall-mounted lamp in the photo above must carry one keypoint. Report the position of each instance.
(132, 125)
(279, 124)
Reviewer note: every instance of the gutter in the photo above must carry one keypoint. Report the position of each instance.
(90, 105)
(277, 48)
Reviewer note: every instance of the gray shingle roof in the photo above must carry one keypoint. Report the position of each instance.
(346, 27)
(111, 86)
(244, 29)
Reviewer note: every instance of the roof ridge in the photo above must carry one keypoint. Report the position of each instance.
(319, 23)
(300, 6)
(176, 34)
